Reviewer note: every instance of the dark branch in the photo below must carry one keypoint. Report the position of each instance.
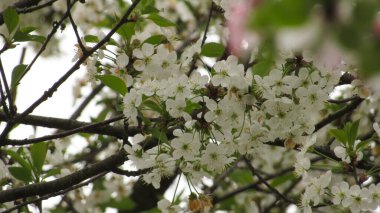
(63, 134)
(42, 189)
(65, 124)
(56, 193)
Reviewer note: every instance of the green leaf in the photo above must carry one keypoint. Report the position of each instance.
(21, 173)
(190, 106)
(17, 157)
(27, 29)
(11, 20)
(22, 36)
(340, 135)
(362, 144)
(160, 21)
(17, 73)
(38, 153)
(127, 30)
(352, 132)
(273, 13)
(153, 106)
(52, 172)
(124, 203)
(160, 135)
(91, 39)
(114, 82)
(262, 68)
(147, 6)
(242, 176)
(282, 179)
(212, 49)
(156, 39)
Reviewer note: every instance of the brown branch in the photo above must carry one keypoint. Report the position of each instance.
(55, 193)
(353, 105)
(65, 182)
(75, 28)
(63, 134)
(66, 124)
(262, 180)
(86, 101)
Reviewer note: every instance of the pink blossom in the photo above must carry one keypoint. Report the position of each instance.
(237, 23)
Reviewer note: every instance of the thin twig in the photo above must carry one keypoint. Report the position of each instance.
(86, 101)
(7, 90)
(262, 180)
(75, 28)
(353, 105)
(192, 67)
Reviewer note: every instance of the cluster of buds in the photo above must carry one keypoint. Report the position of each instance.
(199, 204)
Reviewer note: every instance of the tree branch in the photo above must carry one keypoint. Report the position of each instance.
(66, 124)
(63, 134)
(55, 193)
(41, 189)
(262, 180)
(353, 105)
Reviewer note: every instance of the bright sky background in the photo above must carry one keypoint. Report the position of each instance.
(41, 77)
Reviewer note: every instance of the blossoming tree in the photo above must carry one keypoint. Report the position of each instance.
(241, 106)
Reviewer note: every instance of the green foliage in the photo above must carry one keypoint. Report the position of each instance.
(23, 35)
(156, 39)
(242, 176)
(160, 21)
(21, 173)
(212, 49)
(124, 203)
(38, 153)
(347, 136)
(283, 179)
(91, 38)
(113, 82)
(17, 73)
(18, 158)
(127, 30)
(11, 20)
(272, 13)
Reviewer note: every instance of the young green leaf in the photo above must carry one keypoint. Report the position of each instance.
(38, 153)
(153, 106)
(127, 30)
(17, 157)
(91, 39)
(114, 82)
(22, 36)
(17, 73)
(160, 135)
(212, 49)
(362, 144)
(21, 173)
(156, 39)
(340, 135)
(352, 132)
(160, 21)
(52, 172)
(11, 20)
